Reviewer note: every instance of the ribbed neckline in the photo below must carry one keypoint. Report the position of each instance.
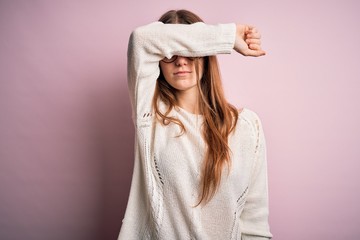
(200, 115)
(193, 115)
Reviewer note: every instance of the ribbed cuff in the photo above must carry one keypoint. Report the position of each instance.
(229, 35)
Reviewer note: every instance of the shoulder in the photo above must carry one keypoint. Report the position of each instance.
(249, 117)
(249, 128)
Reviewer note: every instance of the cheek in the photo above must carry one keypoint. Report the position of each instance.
(166, 70)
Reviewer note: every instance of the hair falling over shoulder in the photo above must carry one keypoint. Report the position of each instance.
(220, 117)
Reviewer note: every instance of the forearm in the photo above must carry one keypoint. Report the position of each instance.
(198, 39)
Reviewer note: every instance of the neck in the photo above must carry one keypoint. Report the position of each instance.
(188, 100)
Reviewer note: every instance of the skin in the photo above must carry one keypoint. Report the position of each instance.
(181, 73)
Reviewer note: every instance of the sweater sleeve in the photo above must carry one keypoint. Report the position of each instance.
(151, 43)
(254, 218)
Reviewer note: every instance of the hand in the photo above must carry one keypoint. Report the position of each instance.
(247, 41)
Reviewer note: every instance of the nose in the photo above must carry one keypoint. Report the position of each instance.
(181, 61)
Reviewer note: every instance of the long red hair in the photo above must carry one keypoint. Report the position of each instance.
(220, 117)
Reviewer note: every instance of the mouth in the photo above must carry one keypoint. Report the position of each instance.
(182, 73)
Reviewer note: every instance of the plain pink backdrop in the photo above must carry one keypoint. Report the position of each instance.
(66, 135)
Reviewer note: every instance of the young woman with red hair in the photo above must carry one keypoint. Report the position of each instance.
(200, 164)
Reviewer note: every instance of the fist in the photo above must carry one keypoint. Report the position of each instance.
(247, 41)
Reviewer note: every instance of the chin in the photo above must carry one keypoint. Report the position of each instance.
(184, 88)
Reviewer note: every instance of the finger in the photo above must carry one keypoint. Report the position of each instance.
(254, 47)
(253, 41)
(253, 35)
(254, 53)
(245, 29)
(248, 29)
(252, 29)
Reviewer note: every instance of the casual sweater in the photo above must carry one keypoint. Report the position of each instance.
(167, 169)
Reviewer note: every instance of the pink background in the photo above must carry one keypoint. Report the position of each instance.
(66, 135)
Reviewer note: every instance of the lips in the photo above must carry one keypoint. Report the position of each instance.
(180, 73)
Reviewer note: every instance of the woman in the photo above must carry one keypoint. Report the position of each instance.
(200, 164)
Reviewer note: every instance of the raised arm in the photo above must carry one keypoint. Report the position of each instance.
(150, 43)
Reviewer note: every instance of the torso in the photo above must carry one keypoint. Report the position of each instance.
(178, 161)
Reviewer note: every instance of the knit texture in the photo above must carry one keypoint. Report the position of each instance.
(167, 168)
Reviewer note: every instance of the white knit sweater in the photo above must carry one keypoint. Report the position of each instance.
(165, 183)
